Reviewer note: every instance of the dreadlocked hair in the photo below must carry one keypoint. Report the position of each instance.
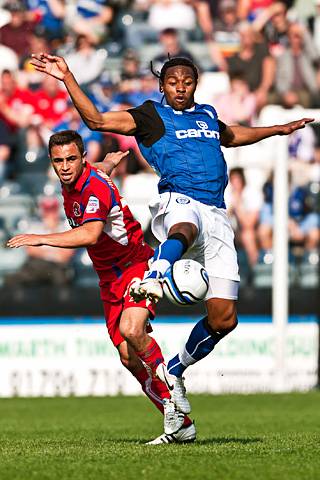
(174, 62)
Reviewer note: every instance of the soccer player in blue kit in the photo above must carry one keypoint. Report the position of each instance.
(182, 141)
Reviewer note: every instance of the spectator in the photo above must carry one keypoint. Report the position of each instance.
(170, 45)
(314, 173)
(19, 129)
(221, 31)
(297, 80)
(17, 104)
(244, 204)
(130, 66)
(303, 226)
(134, 162)
(130, 84)
(52, 13)
(255, 63)
(207, 11)
(102, 93)
(162, 14)
(5, 151)
(45, 265)
(249, 9)
(38, 43)
(31, 163)
(315, 25)
(86, 61)
(273, 23)
(90, 18)
(16, 34)
(92, 140)
(8, 59)
(137, 90)
(301, 156)
(50, 102)
(238, 106)
(178, 14)
(148, 89)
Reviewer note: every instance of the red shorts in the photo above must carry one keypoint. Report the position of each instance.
(116, 298)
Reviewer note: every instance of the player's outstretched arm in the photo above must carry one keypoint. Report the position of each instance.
(110, 161)
(118, 122)
(237, 135)
(84, 236)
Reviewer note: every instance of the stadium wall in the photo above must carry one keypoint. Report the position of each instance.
(65, 356)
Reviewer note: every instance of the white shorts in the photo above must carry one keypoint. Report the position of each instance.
(214, 246)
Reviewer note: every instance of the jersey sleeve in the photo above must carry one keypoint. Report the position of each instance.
(150, 127)
(97, 201)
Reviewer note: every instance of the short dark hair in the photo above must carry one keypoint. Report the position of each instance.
(169, 31)
(64, 138)
(174, 62)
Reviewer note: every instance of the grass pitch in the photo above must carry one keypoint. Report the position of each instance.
(243, 437)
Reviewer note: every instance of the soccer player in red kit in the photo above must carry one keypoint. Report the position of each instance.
(102, 222)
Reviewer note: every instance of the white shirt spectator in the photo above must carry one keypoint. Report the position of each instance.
(87, 66)
(251, 198)
(171, 14)
(8, 59)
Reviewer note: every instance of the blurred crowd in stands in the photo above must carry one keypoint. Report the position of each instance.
(251, 54)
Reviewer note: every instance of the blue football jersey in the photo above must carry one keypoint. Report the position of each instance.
(183, 147)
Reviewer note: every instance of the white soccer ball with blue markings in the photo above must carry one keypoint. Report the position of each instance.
(186, 282)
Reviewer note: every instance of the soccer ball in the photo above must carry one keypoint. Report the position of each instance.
(186, 282)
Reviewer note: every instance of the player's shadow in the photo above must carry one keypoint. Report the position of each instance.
(206, 441)
(225, 440)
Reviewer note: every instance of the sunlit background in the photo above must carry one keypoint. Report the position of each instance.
(259, 65)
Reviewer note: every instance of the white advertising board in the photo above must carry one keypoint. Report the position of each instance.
(79, 359)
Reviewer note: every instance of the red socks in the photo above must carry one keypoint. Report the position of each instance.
(152, 356)
(153, 388)
(156, 390)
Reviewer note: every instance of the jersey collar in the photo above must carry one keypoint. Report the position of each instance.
(180, 112)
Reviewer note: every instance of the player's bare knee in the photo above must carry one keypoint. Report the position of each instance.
(189, 231)
(225, 324)
(134, 334)
(223, 318)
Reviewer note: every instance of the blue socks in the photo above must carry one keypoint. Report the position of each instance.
(165, 255)
(200, 343)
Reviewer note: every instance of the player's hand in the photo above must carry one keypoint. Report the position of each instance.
(110, 161)
(50, 64)
(115, 157)
(290, 127)
(25, 240)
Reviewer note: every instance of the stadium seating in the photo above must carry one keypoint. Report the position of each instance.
(10, 261)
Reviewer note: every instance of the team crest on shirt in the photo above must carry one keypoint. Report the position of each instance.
(93, 205)
(202, 125)
(182, 200)
(76, 209)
